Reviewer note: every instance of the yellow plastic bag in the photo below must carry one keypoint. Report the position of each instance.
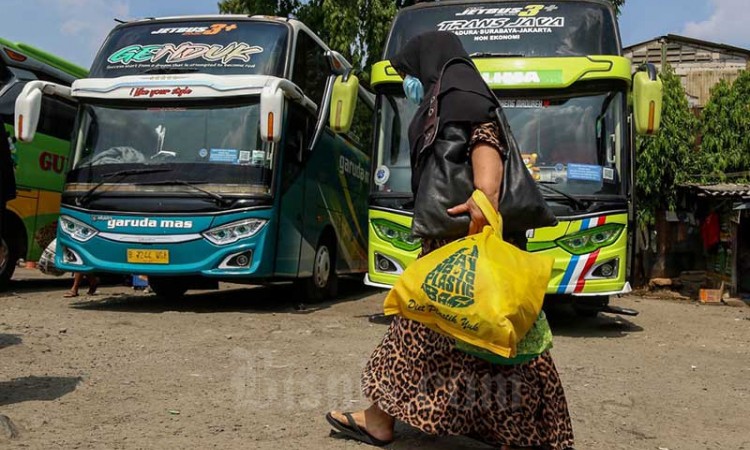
(479, 289)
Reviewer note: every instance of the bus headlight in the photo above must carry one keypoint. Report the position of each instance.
(233, 232)
(397, 235)
(76, 229)
(591, 240)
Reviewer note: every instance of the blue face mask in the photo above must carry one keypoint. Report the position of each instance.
(413, 89)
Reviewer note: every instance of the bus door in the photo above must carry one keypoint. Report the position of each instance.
(292, 190)
(310, 72)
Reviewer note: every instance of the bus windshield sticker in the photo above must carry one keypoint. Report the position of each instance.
(169, 53)
(585, 172)
(209, 47)
(608, 174)
(523, 77)
(570, 28)
(215, 28)
(493, 24)
(382, 174)
(524, 103)
(258, 157)
(203, 153)
(224, 155)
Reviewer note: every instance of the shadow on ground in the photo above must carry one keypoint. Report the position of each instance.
(570, 324)
(36, 285)
(32, 388)
(277, 298)
(408, 438)
(9, 340)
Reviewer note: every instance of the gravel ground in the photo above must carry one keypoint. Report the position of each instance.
(252, 368)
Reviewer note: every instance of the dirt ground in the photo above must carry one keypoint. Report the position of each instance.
(253, 369)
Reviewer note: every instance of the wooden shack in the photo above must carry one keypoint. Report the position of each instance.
(700, 64)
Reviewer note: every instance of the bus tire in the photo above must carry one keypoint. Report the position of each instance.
(8, 262)
(10, 248)
(324, 283)
(168, 288)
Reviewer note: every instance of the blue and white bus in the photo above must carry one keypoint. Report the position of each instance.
(213, 148)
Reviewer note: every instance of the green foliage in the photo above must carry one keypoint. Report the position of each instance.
(618, 5)
(265, 7)
(355, 28)
(662, 160)
(359, 29)
(725, 126)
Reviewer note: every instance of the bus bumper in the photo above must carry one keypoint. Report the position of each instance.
(601, 273)
(178, 254)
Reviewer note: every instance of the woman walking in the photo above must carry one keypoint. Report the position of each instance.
(416, 375)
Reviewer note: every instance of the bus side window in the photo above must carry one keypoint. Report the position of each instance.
(57, 118)
(310, 67)
(362, 127)
(295, 141)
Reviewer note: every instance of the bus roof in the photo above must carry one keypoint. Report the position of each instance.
(463, 2)
(46, 58)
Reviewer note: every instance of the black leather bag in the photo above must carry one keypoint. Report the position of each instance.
(446, 180)
(522, 205)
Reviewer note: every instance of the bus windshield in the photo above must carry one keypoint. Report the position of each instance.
(574, 143)
(213, 47)
(515, 29)
(218, 145)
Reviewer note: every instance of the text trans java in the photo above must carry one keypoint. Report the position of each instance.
(215, 148)
(573, 104)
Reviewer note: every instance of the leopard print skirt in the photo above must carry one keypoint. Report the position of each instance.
(418, 377)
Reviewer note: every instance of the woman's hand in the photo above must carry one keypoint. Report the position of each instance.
(478, 220)
(488, 176)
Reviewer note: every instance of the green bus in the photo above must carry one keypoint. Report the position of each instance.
(30, 221)
(214, 148)
(573, 103)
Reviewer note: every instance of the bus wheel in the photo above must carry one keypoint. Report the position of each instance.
(8, 260)
(323, 284)
(167, 288)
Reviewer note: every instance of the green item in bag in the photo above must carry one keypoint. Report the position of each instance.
(537, 341)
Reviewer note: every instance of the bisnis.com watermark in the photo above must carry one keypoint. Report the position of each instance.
(264, 379)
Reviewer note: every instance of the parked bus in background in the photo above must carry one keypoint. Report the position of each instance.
(30, 220)
(215, 148)
(573, 104)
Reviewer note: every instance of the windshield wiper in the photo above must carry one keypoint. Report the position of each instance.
(577, 203)
(495, 55)
(167, 70)
(82, 200)
(220, 199)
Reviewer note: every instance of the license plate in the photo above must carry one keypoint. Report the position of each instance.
(148, 256)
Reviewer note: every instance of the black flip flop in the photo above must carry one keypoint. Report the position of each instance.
(354, 431)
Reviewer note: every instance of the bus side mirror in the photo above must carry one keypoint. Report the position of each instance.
(28, 108)
(343, 103)
(647, 100)
(271, 114)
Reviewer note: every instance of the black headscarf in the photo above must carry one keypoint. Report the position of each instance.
(463, 97)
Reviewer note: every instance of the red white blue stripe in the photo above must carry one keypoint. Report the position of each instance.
(574, 279)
